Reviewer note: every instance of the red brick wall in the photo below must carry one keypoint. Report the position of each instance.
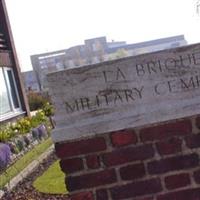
(153, 163)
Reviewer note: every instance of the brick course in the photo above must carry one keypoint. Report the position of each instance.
(101, 194)
(177, 181)
(188, 194)
(71, 165)
(91, 180)
(170, 146)
(132, 171)
(81, 147)
(173, 164)
(136, 189)
(82, 196)
(127, 155)
(193, 141)
(93, 161)
(197, 176)
(164, 131)
(122, 138)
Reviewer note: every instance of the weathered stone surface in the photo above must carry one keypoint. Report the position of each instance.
(126, 93)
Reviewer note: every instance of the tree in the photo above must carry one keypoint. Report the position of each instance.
(120, 53)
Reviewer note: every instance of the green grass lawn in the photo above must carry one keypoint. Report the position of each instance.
(24, 161)
(52, 181)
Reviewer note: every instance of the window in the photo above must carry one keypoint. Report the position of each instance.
(9, 99)
(94, 47)
(176, 44)
(5, 103)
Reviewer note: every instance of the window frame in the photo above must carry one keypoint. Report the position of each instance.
(14, 111)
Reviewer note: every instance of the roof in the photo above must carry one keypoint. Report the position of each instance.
(148, 43)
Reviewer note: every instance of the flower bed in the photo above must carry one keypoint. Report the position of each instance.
(22, 136)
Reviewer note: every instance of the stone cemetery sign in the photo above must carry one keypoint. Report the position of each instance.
(126, 93)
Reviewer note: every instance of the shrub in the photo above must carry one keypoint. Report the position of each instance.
(36, 101)
(42, 131)
(15, 127)
(5, 155)
(26, 141)
(35, 133)
(6, 134)
(20, 144)
(24, 125)
(13, 147)
(38, 119)
(48, 109)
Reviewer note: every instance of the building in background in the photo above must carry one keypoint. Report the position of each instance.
(13, 102)
(30, 81)
(93, 51)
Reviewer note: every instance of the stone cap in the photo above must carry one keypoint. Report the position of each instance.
(126, 93)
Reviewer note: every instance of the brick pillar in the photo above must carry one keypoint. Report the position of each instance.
(158, 162)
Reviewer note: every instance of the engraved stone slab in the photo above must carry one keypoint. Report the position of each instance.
(126, 93)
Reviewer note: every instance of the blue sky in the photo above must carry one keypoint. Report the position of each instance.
(46, 25)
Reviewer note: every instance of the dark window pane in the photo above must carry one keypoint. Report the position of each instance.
(4, 99)
(13, 90)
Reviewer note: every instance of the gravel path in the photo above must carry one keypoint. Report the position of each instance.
(25, 191)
